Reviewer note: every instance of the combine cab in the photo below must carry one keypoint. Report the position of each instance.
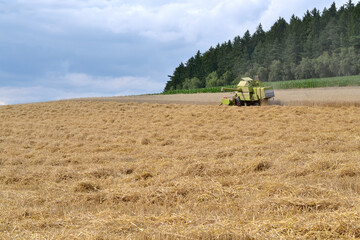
(248, 92)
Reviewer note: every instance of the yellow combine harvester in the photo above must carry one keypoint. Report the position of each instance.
(248, 92)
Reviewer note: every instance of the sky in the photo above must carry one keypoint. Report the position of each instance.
(52, 49)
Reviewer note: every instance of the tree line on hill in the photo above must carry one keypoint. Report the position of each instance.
(323, 44)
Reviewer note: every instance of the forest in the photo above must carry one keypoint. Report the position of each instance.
(320, 44)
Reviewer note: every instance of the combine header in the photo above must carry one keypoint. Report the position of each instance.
(248, 92)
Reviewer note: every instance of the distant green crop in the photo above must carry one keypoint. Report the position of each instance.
(317, 82)
(303, 83)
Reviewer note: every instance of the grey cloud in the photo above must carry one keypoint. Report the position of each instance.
(75, 48)
(162, 20)
(76, 85)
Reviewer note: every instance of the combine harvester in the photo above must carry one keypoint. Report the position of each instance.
(248, 92)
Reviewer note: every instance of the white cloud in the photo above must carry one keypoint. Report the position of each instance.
(103, 84)
(2, 103)
(277, 8)
(77, 85)
(13, 95)
(193, 21)
(160, 20)
(201, 21)
(165, 21)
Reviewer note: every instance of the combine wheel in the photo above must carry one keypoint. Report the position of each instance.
(257, 103)
(264, 102)
(238, 102)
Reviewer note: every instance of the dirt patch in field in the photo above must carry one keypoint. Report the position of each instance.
(309, 96)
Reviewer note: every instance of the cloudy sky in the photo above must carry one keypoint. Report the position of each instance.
(52, 49)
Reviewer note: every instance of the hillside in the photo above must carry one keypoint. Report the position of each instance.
(320, 44)
(110, 170)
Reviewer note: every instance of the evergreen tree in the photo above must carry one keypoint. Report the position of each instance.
(305, 69)
(263, 74)
(320, 44)
(212, 79)
(349, 61)
(322, 66)
(276, 71)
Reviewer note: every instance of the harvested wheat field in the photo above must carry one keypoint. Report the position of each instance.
(110, 170)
